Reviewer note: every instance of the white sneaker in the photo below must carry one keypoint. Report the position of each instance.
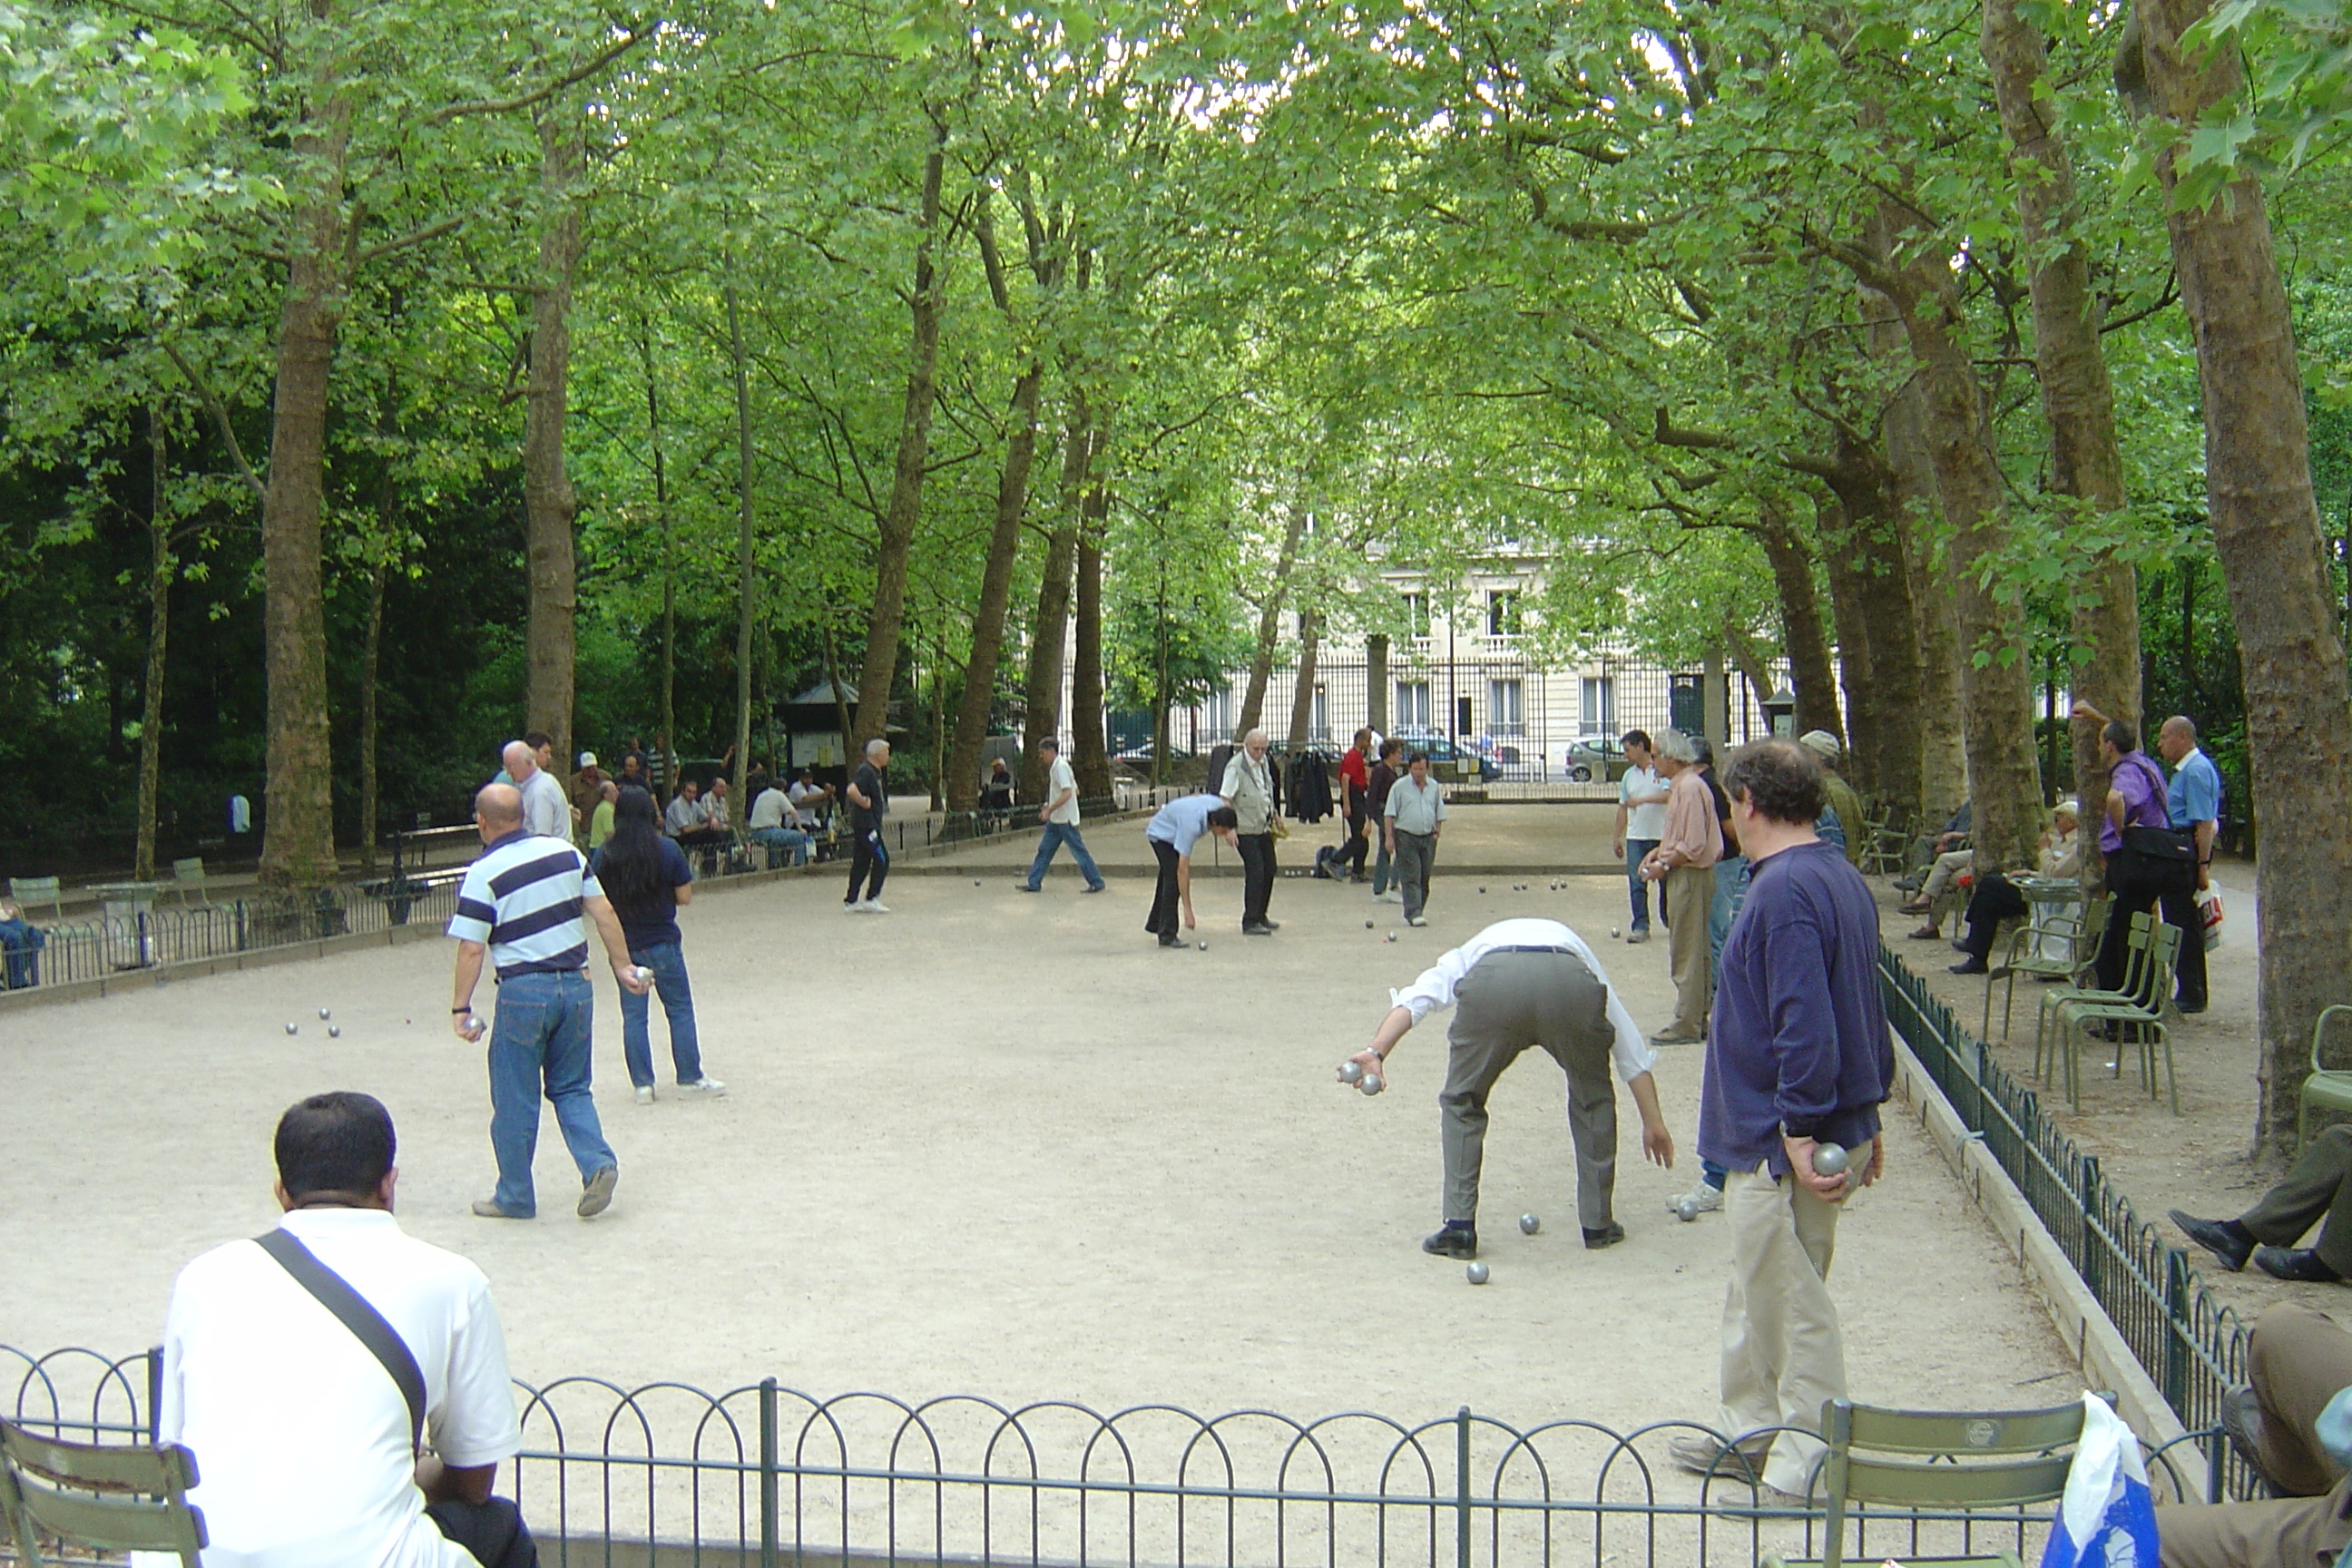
(1390, 896)
(854, 907)
(877, 907)
(706, 1085)
(645, 1097)
(1414, 921)
(1702, 1198)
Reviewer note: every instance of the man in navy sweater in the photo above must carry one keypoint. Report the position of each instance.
(1798, 1058)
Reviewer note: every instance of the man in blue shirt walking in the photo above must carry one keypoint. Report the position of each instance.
(1798, 1058)
(2193, 794)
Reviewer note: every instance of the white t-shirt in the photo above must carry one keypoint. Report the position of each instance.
(545, 811)
(1062, 776)
(1647, 823)
(1437, 985)
(770, 810)
(300, 1436)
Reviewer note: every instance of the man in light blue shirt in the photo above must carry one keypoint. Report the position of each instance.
(2193, 796)
(1172, 832)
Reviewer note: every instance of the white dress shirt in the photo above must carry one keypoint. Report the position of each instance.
(1436, 987)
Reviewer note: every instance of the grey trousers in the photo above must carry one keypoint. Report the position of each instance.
(1510, 1001)
(2318, 1186)
(1415, 854)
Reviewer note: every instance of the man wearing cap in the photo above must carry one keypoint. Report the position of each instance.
(1517, 983)
(1842, 801)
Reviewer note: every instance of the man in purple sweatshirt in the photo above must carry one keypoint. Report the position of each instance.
(1798, 1058)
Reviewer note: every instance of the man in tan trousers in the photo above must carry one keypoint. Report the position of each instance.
(2298, 1360)
(1684, 866)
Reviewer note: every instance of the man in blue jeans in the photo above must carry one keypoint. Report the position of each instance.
(522, 903)
(1640, 823)
(1060, 816)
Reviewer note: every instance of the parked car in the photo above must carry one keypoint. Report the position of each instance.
(1450, 763)
(1141, 756)
(1600, 757)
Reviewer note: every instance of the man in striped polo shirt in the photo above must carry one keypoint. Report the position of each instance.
(522, 903)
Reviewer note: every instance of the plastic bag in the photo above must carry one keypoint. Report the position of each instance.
(2208, 909)
(2107, 1518)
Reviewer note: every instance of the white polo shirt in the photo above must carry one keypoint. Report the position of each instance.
(1646, 823)
(1063, 777)
(1629, 1048)
(300, 1436)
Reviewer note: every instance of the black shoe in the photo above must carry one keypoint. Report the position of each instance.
(2226, 1239)
(2241, 1423)
(2189, 1009)
(1172, 941)
(1454, 1241)
(1097, 888)
(1263, 928)
(1027, 888)
(1271, 925)
(1609, 1235)
(1971, 966)
(2295, 1263)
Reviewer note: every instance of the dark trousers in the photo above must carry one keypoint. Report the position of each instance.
(2139, 884)
(1996, 899)
(1258, 877)
(1352, 852)
(869, 857)
(1167, 916)
(493, 1532)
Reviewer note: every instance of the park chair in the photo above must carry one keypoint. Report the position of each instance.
(2010, 1459)
(29, 893)
(2138, 1012)
(2134, 960)
(2328, 1088)
(104, 1499)
(188, 876)
(2080, 929)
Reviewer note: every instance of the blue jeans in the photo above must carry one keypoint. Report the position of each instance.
(1384, 869)
(1635, 849)
(1057, 834)
(540, 1038)
(668, 960)
(1731, 892)
(789, 842)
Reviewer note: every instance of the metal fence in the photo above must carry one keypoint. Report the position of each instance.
(2191, 1345)
(763, 1474)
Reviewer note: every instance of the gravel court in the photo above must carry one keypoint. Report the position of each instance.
(997, 1144)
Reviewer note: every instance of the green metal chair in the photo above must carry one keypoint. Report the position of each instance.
(101, 1499)
(2079, 929)
(1946, 1460)
(29, 893)
(2135, 962)
(2137, 1015)
(2328, 1088)
(187, 879)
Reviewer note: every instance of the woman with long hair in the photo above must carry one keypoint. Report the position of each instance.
(646, 878)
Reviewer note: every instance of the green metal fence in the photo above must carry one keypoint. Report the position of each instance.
(2192, 1345)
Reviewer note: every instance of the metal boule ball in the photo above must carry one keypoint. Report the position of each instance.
(1392, 936)
(1686, 1210)
(1371, 1084)
(1205, 947)
(1482, 887)
(1476, 1274)
(334, 1032)
(1368, 925)
(1613, 933)
(1529, 1224)
(323, 1015)
(1350, 1070)
(643, 974)
(1830, 1159)
(975, 882)
(293, 1028)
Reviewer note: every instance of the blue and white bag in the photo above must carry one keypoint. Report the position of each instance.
(2106, 1517)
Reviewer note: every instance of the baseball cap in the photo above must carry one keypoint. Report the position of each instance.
(587, 759)
(1821, 743)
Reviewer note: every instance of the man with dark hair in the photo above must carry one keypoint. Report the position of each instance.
(1798, 1058)
(1060, 816)
(1173, 830)
(1386, 771)
(1642, 797)
(304, 1436)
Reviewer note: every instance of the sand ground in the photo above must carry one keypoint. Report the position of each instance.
(997, 1144)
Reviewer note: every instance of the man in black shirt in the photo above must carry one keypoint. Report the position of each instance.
(869, 802)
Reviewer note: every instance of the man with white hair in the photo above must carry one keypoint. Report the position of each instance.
(869, 802)
(1683, 865)
(545, 813)
(1248, 788)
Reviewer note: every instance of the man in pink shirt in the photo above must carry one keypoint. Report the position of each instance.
(1682, 865)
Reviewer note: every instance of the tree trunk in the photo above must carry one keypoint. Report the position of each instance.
(160, 568)
(1042, 690)
(1872, 558)
(2265, 522)
(298, 847)
(995, 587)
(744, 608)
(550, 508)
(668, 538)
(1302, 690)
(1269, 624)
(1090, 760)
(1865, 722)
(2077, 396)
(1996, 679)
(887, 617)
(833, 679)
(371, 662)
(1810, 674)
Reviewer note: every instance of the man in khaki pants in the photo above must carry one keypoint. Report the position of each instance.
(1683, 864)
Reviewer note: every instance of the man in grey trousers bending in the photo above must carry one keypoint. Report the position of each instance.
(1517, 983)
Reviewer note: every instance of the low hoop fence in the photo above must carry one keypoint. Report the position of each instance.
(667, 1473)
(2192, 1345)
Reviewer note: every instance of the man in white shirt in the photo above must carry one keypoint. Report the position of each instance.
(546, 814)
(303, 1439)
(1517, 983)
(1060, 816)
(772, 824)
(1640, 823)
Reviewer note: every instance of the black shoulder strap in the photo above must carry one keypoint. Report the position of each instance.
(368, 1325)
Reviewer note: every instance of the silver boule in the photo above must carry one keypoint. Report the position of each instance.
(1392, 936)
(293, 1028)
(1371, 1084)
(1205, 947)
(1350, 1070)
(1686, 1210)
(1613, 933)
(1529, 1224)
(323, 1015)
(643, 974)
(1828, 1159)
(1476, 1274)
(1368, 925)
(334, 1031)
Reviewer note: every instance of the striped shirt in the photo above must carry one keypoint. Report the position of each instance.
(522, 901)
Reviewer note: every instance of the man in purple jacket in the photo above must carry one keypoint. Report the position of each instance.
(1798, 1058)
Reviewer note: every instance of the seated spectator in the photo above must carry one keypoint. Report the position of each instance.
(2293, 1424)
(1926, 851)
(305, 1439)
(996, 795)
(1997, 898)
(715, 807)
(687, 820)
(811, 802)
(20, 948)
(773, 825)
(2317, 1186)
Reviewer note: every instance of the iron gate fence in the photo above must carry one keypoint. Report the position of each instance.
(763, 1474)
